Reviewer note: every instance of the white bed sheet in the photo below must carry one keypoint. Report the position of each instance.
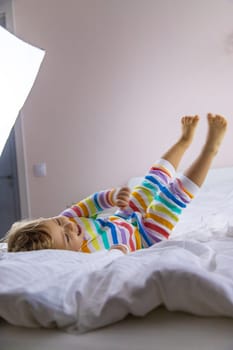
(79, 292)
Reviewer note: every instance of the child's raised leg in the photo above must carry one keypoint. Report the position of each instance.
(163, 212)
(199, 169)
(176, 152)
(163, 171)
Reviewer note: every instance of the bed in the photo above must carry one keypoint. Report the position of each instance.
(177, 294)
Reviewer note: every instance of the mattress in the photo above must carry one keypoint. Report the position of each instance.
(160, 329)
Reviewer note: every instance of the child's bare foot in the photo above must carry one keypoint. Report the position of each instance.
(189, 125)
(217, 129)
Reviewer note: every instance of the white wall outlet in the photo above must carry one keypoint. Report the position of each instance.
(40, 170)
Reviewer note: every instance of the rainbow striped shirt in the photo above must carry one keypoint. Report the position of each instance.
(102, 233)
(154, 209)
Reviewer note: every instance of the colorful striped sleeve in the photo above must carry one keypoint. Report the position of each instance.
(92, 205)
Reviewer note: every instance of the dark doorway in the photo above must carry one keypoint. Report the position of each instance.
(9, 191)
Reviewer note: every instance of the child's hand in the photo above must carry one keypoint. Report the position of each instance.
(122, 247)
(122, 198)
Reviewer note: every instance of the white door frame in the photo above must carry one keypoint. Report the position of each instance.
(21, 169)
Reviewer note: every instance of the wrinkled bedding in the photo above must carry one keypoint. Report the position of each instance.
(79, 292)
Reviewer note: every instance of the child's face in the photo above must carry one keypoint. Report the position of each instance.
(65, 233)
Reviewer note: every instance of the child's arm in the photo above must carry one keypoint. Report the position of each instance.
(98, 202)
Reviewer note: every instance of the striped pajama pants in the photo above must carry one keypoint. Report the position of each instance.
(159, 200)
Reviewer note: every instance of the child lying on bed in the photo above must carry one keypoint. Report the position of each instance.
(144, 217)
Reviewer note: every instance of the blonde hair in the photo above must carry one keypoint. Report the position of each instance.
(28, 235)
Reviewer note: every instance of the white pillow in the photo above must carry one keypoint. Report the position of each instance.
(209, 215)
(3, 247)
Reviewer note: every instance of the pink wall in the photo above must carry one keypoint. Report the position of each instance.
(117, 76)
